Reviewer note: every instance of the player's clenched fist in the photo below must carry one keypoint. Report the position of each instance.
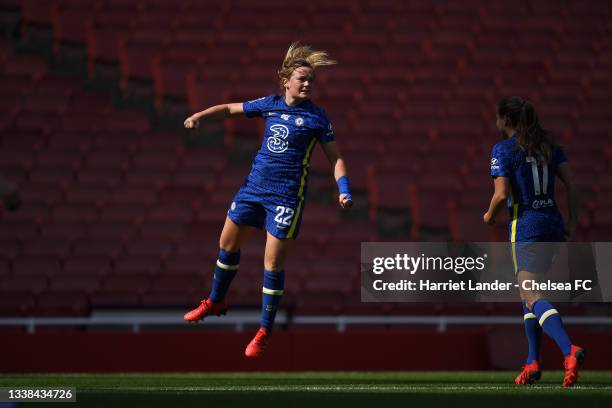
(345, 201)
(191, 123)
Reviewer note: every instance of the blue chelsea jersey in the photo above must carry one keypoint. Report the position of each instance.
(532, 182)
(291, 133)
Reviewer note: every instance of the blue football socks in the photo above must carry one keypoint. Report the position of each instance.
(227, 266)
(274, 283)
(533, 331)
(551, 323)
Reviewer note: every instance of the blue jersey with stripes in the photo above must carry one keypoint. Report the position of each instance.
(534, 215)
(291, 133)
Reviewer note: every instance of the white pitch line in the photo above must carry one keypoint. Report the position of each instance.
(297, 388)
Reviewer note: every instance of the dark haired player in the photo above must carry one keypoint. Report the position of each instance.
(524, 167)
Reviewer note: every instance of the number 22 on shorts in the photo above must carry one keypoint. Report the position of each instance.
(284, 216)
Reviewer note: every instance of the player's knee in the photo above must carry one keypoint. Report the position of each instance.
(229, 245)
(273, 264)
(530, 300)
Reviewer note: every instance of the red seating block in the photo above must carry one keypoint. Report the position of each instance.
(62, 304)
(16, 304)
(92, 266)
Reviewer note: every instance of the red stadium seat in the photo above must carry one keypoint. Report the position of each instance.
(69, 22)
(46, 248)
(36, 266)
(121, 213)
(112, 230)
(204, 242)
(78, 213)
(108, 161)
(91, 266)
(198, 263)
(62, 303)
(144, 178)
(170, 72)
(25, 67)
(36, 14)
(148, 265)
(162, 248)
(104, 36)
(137, 52)
(63, 230)
(16, 304)
(5, 267)
(74, 283)
(101, 247)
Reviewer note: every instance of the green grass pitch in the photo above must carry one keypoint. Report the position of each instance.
(318, 389)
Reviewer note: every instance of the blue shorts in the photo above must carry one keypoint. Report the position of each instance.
(533, 226)
(536, 240)
(535, 257)
(256, 208)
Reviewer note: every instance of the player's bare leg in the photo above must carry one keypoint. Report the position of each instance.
(233, 235)
(232, 238)
(528, 296)
(276, 253)
(274, 262)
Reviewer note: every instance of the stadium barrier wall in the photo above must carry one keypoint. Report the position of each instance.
(294, 350)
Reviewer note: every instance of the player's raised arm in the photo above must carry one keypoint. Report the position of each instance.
(500, 195)
(573, 198)
(216, 112)
(340, 174)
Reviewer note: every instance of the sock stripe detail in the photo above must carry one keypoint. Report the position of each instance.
(272, 291)
(546, 314)
(227, 267)
(529, 316)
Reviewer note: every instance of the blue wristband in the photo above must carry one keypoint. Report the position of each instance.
(343, 187)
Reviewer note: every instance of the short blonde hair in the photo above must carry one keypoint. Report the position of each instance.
(301, 56)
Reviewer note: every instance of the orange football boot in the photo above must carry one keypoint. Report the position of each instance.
(530, 374)
(206, 308)
(258, 345)
(572, 362)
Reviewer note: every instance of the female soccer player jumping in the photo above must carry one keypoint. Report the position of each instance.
(274, 192)
(524, 167)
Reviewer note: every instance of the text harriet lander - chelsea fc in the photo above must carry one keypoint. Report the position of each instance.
(469, 285)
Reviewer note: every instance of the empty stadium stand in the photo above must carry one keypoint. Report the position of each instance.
(119, 212)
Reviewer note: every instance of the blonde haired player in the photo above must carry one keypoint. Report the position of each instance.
(274, 192)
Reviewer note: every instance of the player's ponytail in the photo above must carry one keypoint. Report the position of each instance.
(301, 56)
(531, 135)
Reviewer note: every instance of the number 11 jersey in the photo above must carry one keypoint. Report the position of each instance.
(534, 215)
